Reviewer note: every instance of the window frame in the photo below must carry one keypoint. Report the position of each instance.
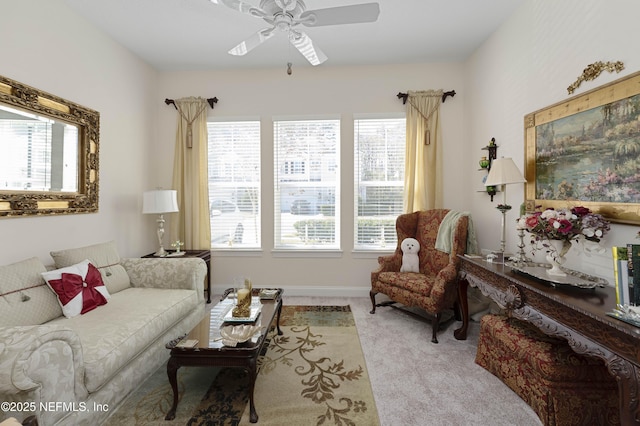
(383, 246)
(281, 249)
(242, 247)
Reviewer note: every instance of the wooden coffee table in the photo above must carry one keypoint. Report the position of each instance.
(209, 351)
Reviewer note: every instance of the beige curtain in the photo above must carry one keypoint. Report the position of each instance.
(423, 163)
(190, 175)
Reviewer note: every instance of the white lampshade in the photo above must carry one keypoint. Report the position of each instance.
(160, 201)
(504, 171)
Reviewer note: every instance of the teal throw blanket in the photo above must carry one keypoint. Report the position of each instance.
(444, 240)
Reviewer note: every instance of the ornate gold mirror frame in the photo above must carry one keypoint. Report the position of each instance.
(84, 199)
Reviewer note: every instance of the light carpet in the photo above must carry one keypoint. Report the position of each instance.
(314, 373)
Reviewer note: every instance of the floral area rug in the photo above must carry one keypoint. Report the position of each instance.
(313, 374)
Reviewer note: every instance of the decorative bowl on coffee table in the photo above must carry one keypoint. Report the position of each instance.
(234, 334)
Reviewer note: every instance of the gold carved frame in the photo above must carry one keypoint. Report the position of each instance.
(85, 200)
(612, 96)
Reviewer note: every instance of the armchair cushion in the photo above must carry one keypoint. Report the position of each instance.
(414, 282)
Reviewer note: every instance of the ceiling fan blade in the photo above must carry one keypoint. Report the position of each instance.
(252, 42)
(355, 14)
(242, 6)
(303, 43)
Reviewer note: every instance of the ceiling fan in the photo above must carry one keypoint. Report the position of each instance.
(288, 15)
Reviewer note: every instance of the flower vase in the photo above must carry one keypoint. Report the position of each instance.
(556, 250)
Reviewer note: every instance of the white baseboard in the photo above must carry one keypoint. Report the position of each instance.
(320, 291)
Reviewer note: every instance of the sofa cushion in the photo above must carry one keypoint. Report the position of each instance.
(104, 256)
(25, 298)
(79, 288)
(120, 330)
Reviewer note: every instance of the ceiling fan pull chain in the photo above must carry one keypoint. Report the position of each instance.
(289, 64)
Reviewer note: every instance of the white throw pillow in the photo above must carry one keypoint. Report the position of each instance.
(79, 288)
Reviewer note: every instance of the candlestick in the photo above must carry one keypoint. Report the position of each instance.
(243, 293)
(521, 258)
(243, 305)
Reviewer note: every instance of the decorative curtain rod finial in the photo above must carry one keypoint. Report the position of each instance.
(212, 101)
(451, 93)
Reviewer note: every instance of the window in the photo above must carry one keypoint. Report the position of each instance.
(379, 180)
(47, 149)
(234, 184)
(307, 184)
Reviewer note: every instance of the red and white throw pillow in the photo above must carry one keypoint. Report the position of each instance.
(79, 288)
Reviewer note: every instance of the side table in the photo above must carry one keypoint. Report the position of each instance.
(202, 254)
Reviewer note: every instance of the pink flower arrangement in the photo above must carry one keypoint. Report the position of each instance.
(565, 224)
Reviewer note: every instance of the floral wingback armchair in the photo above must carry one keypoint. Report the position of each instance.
(434, 289)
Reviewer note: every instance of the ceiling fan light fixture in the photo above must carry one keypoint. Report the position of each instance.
(282, 21)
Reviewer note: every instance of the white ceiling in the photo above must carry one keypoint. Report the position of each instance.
(174, 35)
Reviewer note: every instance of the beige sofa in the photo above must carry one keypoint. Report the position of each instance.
(73, 371)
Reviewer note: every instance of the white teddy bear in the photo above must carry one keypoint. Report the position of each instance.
(410, 262)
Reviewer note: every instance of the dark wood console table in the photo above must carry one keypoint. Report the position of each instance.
(577, 315)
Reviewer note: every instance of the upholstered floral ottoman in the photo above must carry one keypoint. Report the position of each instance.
(562, 387)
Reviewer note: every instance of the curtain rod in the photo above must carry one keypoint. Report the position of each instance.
(211, 102)
(404, 96)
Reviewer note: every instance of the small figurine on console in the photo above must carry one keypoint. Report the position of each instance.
(177, 245)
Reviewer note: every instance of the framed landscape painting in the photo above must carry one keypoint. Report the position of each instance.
(586, 152)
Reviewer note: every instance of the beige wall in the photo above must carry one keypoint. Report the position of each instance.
(45, 45)
(527, 65)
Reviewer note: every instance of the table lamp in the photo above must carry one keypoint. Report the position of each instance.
(159, 202)
(504, 172)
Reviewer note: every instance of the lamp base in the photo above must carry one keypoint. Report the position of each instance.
(161, 252)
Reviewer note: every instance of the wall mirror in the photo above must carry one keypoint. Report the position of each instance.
(48, 153)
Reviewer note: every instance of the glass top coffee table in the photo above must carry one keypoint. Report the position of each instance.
(203, 346)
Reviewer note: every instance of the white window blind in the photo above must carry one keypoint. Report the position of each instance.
(379, 180)
(307, 184)
(234, 184)
(47, 153)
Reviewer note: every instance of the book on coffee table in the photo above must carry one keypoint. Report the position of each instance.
(268, 293)
(189, 343)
